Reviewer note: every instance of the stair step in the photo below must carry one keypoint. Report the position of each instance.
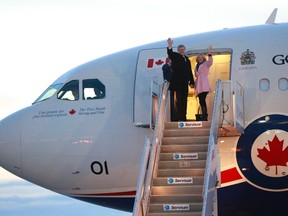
(174, 125)
(180, 172)
(166, 181)
(181, 190)
(181, 164)
(185, 140)
(187, 207)
(186, 132)
(184, 148)
(175, 198)
(171, 156)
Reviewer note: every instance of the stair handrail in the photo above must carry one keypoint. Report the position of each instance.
(144, 181)
(212, 161)
(141, 179)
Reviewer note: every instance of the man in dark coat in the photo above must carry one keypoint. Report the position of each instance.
(181, 77)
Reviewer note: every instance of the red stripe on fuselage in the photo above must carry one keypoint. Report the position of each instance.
(230, 175)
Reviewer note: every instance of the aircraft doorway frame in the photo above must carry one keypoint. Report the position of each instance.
(144, 102)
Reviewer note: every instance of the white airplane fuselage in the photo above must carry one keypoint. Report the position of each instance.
(90, 149)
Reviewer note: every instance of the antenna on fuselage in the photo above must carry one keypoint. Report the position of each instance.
(271, 19)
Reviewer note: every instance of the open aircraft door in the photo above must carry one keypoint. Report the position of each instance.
(148, 81)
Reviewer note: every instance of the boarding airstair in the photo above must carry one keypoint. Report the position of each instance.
(179, 171)
(178, 182)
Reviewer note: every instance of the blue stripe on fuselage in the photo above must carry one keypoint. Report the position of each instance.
(245, 199)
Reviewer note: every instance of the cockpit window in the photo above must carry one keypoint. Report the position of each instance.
(70, 91)
(93, 89)
(48, 93)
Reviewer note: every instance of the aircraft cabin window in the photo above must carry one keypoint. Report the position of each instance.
(93, 89)
(48, 93)
(70, 91)
(264, 84)
(283, 84)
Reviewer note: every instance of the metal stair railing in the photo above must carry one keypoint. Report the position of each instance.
(150, 157)
(212, 172)
(141, 179)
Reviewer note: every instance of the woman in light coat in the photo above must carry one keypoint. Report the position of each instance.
(202, 86)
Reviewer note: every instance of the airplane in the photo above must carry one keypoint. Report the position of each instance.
(83, 137)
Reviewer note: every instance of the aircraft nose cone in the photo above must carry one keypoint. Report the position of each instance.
(10, 143)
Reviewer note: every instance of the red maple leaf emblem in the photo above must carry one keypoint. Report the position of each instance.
(276, 156)
(72, 112)
(159, 62)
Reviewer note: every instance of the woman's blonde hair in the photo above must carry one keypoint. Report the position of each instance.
(201, 55)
